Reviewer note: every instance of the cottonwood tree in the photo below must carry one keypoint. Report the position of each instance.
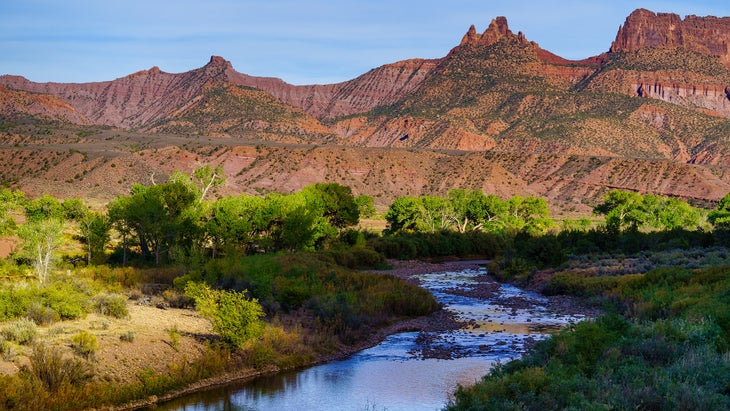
(403, 214)
(720, 217)
(9, 201)
(43, 208)
(366, 205)
(207, 178)
(623, 210)
(235, 223)
(41, 238)
(95, 227)
(161, 216)
(626, 210)
(333, 201)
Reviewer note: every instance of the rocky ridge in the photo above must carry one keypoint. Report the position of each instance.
(657, 102)
(705, 35)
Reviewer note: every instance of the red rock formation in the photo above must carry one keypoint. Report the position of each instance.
(381, 86)
(643, 28)
(14, 102)
(497, 30)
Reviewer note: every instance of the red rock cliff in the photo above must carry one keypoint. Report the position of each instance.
(643, 28)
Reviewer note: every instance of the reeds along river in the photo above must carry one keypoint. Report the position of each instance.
(407, 371)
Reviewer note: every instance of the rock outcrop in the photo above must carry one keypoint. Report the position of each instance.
(17, 104)
(497, 30)
(643, 28)
(497, 113)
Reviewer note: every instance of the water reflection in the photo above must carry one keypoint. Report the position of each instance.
(397, 374)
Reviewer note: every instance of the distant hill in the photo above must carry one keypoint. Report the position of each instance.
(498, 112)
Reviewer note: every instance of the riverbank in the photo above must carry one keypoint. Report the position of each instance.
(439, 321)
(156, 340)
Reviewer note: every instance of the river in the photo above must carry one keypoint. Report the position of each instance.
(407, 371)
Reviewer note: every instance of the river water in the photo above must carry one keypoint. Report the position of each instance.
(407, 371)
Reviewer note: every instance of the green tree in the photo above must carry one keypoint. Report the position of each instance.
(675, 213)
(95, 227)
(43, 208)
(529, 214)
(336, 202)
(366, 206)
(9, 201)
(161, 216)
(41, 239)
(403, 214)
(235, 223)
(623, 210)
(473, 210)
(234, 317)
(720, 216)
(208, 178)
(74, 209)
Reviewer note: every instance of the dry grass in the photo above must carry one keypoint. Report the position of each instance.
(119, 360)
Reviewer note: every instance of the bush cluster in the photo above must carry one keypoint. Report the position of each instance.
(346, 303)
(665, 347)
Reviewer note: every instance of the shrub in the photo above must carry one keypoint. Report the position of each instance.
(174, 337)
(66, 299)
(15, 301)
(54, 371)
(128, 336)
(84, 343)
(113, 305)
(21, 331)
(7, 350)
(235, 318)
(177, 299)
(42, 315)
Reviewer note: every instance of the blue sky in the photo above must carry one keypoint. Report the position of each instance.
(299, 41)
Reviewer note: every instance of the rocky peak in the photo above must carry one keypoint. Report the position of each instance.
(151, 72)
(643, 28)
(218, 61)
(497, 30)
(218, 65)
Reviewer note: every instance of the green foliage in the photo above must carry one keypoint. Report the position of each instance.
(342, 303)
(16, 300)
(174, 335)
(73, 209)
(69, 299)
(162, 216)
(625, 210)
(235, 318)
(473, 244)
(720, 217)
(337, 203)
(9, 201)
(84, 344)
(95, 231)
(305, 221)
(366, 206)
(41, 239)
(208, 178)
(468, 210)
(42, 314)
(21, 331)
(611, 363)
(43, 208)
(113, 305)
